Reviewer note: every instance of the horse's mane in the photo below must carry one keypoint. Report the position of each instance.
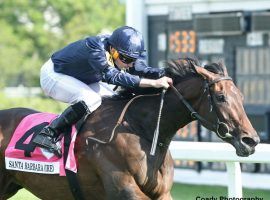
(183, 68)
(179, 70)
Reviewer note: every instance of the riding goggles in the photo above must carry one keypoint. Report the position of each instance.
(126, 59)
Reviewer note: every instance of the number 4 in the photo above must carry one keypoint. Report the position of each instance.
(30, 147)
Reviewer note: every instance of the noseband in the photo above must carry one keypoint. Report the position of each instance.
(198, 117)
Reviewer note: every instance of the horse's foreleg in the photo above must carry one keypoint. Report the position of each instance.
(123, 187)
(8, 187)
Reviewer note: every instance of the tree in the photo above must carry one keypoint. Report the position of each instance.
(32, 30)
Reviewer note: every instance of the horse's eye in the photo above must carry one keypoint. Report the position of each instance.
(221, 98)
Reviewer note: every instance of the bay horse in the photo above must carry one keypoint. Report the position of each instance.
(124, 168)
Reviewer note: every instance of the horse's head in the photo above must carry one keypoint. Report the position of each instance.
(219, 107)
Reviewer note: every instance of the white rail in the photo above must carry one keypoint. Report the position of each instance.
(220, 152)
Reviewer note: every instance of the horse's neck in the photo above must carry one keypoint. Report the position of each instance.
(143, 115)
(175, 112)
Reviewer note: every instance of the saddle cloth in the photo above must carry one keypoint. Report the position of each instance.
(22, 155)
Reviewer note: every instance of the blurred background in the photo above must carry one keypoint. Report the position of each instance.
(30, 31)
(235, 31)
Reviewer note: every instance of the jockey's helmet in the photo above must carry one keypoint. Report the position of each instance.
(127, 41)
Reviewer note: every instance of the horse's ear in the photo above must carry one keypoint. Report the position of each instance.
(224, 68)
(205, 73)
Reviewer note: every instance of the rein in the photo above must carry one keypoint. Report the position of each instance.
(120, 119)
(198, 117)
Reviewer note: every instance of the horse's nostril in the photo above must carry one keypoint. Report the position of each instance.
(249, 141)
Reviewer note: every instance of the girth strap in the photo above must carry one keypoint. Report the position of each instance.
(74, 184)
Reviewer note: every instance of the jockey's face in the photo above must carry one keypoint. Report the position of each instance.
(123, 65)
(122, 61)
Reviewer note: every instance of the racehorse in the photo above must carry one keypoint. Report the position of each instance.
(123, 168)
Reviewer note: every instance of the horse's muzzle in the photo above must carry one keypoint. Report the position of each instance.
(246, 146)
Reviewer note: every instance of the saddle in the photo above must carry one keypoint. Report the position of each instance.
(23, 155)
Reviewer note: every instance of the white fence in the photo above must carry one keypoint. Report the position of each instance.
(22, 91)
(220, 152)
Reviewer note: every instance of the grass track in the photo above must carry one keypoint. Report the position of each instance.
(181, 192)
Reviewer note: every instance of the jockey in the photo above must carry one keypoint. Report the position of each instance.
(80, 74)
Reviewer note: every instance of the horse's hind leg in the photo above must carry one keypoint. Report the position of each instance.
(8, 187)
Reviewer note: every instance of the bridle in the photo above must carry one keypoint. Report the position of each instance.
(217, 125)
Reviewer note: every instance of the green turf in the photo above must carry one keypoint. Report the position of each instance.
(183, 192)
(24, 195)
(191, 192)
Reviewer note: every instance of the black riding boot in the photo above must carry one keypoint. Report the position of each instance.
(48, 136)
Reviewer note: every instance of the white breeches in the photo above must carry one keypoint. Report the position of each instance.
(67, 89)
